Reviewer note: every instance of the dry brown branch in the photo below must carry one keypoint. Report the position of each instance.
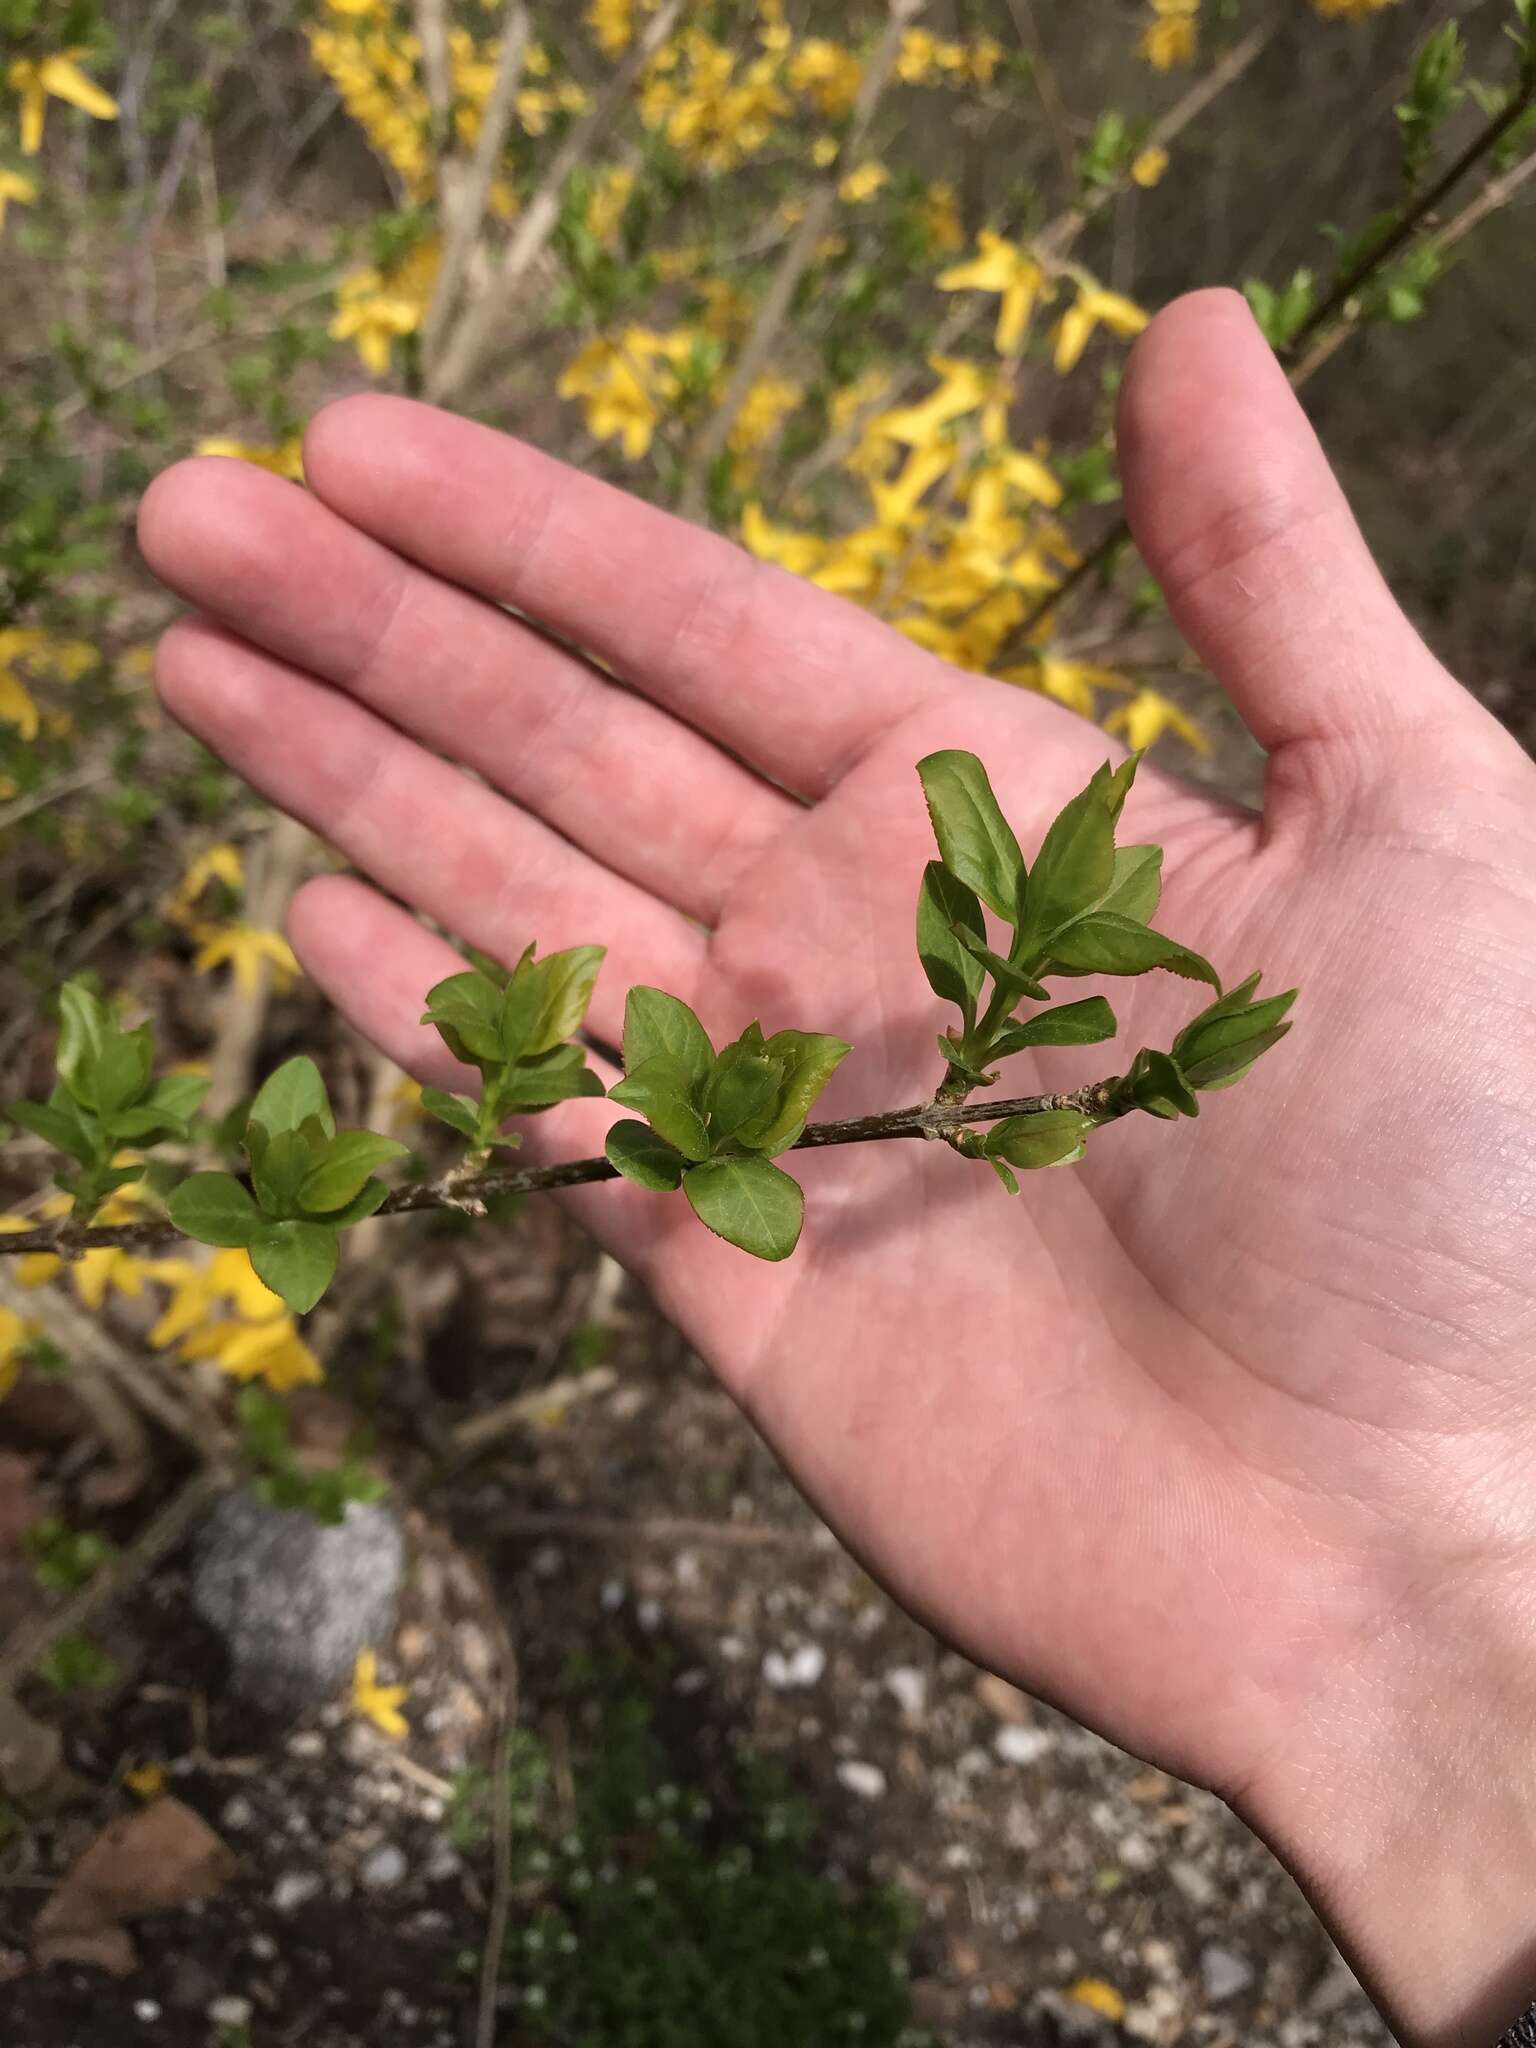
(758, 348)
(1051, 101)
(466, 215)
(467, 345)
(243, 1015)
(501, 1849)
(474, 1437)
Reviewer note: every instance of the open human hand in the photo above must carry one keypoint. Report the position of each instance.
(1222, 1439)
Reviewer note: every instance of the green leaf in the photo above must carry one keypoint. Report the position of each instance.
(85, 1023)
(459, 1112)
(280, 1165)
(953, 974)
(177, 1095)
(1234, 1023)
(643, 1157)
(655, 1022)
(749, 1202)
(296, 1259)
(58, 1122)
(1157, 1086)
(466, 1011)
(978, 1076)
(1052, 1137)
(554, 1076)
(661, 1088)
(1075, 866)
(566, 981)
(1089, 1022)
(1220, 1069)
(215, 1208)
(368, 1200)
(1005, 973)
(123, 1068)
(743, 1085)
(289, 1097)
(1138, 882)
(518, 1017)
(1107, 943)
(1006, 1175)
(349, 1161)
(975, 839)
(806, 1060)
(143, 1123)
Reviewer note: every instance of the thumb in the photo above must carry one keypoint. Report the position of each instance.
(1239, 517)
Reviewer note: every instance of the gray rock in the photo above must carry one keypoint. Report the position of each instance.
(1223, 1973)
(293, 1599)
(295, 1888)
(383, 1869)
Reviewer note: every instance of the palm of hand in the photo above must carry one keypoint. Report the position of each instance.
(1151, 1436)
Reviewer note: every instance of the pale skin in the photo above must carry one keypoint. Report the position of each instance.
(1225, 1439)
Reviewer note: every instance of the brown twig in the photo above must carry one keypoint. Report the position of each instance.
(467, 212)
(1051, 101)
(927, 1120)
(466, 346)
(1336, 303)
(715, 433)
(501, 1856)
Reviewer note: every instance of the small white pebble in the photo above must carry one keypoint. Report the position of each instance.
(866, 1780)
(612, 1595)
(908, 1686)
(230, 2012)
(801, 1667)
(145, 2009)
(1022, 1745)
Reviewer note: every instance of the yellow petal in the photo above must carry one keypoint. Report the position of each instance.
(1072, 332)
(66, 81)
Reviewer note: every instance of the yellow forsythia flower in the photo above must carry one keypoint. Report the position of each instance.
(375, 308)
(44, 654)
(147, 1782)
(1148, 716)
(283, 458)
(1099, 1997)
(1149, 166)
(59, 77)
(16, 1333)
(377, 1703)
(863, 183)
(216, 863)
(828, 73)
(247, 949)
(15, 186)
(1006, 268)
(1171, 37)
(1094, 306)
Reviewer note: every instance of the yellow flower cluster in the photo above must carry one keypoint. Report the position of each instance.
(715, 110)
(1172, 35)
(925, 58)
(376, 71)
(375, 308)
(627, 382)
(37, 80)
(38, 655)
(247, 949)
(220, 1310)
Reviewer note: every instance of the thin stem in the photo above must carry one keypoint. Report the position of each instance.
(1335, 303)
(928, 1120)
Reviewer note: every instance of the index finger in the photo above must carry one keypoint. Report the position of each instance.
(792, 679)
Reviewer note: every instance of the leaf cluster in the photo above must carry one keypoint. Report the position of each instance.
(514, 1029)
(106, 1097)
(308, 1182)
(284, 1480)
(714, 1122)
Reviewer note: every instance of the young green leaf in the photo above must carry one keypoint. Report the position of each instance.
(1157, 1086)
(466, 1011)
(1105, 942)
(1220, 1069)
(281, 1164)
(214, 1208)
(643, 1157)
(975, 839)
(1089, 1022)
(544, 1079)
(518, 1017)
(1137, 886)
(751, 1203)
(85, 1023)
(60, 1122)
(1004, 972)
(942, 904)
(655, 1022)
(177, 1095)
(1075, 866)
(1051, 1137)
(1235, 1023)
(661, 1088)
(566, 981)
(743, 1085)
(368, 1200)
(290, 1096)
(123, 1068)
(296, 1259)
(347, 1164)
(806, 1061)
(459, 1112)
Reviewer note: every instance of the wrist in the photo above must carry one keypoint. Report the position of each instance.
(1406, 1809)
